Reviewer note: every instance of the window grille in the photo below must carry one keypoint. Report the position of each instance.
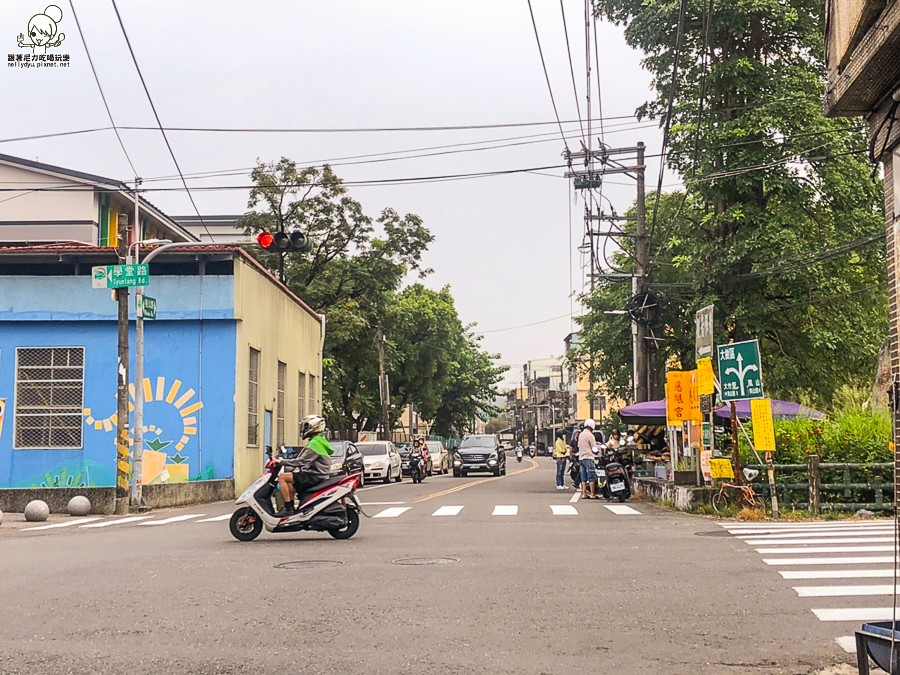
(279, 405)
(301, 403)
(253, 399)
(49, 397)
(313, 396)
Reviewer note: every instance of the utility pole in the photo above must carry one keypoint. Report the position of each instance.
(122, 464)
(138, 447)
(383, 388)
(642, 253)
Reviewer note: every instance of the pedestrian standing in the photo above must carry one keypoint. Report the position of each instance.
(561, 453)
(586, 442)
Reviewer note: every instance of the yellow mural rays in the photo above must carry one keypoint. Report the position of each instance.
(176, 385)
(160, 388)
(185, 397)
(148, 391)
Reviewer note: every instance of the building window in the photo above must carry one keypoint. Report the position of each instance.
(279, 404)
(301, 403)
(313, 396)
(253, 399)
(49, 397)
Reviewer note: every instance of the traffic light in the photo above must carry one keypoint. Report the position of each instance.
(282, 242)
(522, 406)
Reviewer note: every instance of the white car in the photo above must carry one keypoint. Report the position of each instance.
(440, 458)
(381, 461)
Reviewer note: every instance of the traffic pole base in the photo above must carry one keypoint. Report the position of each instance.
(121, 506)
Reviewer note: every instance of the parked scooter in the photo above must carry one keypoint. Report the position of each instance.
(329, 506)
(617, 481)
(416, 468)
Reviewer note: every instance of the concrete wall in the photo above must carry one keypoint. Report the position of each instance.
(185, 494)
(684, 497)
(103, 499)
(282, 330)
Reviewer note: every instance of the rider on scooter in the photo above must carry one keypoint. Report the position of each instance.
(310, 467)
(420, 451)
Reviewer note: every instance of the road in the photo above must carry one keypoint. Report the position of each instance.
(530, 583)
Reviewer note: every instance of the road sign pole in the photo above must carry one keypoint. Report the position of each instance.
(122, 404)
(736, 451)
(136, 474)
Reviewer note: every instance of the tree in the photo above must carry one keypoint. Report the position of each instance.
(780, 226)
(495, 425)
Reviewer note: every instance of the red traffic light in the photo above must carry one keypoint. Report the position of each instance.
(265, 240)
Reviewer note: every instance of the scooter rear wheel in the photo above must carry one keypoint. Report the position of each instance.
(245, 525)
(349, 529)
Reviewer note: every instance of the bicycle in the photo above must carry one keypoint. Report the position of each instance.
(745, 496)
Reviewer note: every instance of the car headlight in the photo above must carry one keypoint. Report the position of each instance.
(492, 461)
(377, 465)
(457, 462)
(337, 466)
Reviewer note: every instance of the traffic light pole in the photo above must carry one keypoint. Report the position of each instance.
(122, 464)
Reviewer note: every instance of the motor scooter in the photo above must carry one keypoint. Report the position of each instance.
(617, 484)
(329, 506)
(518, 454)
(417, 468)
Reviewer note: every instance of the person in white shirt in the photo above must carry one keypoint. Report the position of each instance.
(586, 443)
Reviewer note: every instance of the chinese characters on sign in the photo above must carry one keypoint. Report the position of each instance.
(740, 371)
(704, 336)
(37, 61)
(682, 399)
(763, 430)
(117, 276)
(706, 381)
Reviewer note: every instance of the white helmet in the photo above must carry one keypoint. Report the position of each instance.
(589, 423)
(312, 425)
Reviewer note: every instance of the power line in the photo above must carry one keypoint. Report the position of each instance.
(100, 88)
(546, 76)
(158, 122)
(571, 67)
(524, 325)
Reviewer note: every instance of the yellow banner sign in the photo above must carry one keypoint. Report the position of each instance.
(720, 467)
(706, 381)
(682, 399)
(763, 429)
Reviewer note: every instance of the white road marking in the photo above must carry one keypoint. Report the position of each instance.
(53, 526)
(392, 512)
(843, 591)
(448, 511)
(622, 510)
(848, 540)
(839, 574)
(215, 519)
(847, 643)
(505, 511)
(860, 560)
(856, 614)
(743, 529)
(575, 498)
(563, 510)
(810, 535)
(120, 521)
(828, 549)
(175, 519)
(380, 503)
(812, 523)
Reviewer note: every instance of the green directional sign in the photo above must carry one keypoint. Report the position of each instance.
(118, 276)
(740, 371)
(146, 306)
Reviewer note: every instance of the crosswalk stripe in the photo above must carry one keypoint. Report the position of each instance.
(215, 519)
(392, 512)
(856, 614)
(174, 519)
(847, 643)
(810, 524)
(448, 511)
(503, 510)
(809, 528)
(53, 526)
(563, 510)
(847, 560)
(120, 521)
(843, 591)
(575, 498)
(847, 540)
(838, 574)
(837, 531)
(813, 535)
(622, 510)
(828, 549)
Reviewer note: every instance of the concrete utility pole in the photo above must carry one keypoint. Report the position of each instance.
(383, 387)
(122, 464)
(642, 253)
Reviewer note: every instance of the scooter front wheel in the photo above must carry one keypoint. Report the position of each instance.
(245, 525)
(349, 529)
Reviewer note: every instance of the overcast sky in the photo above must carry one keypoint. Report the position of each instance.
(502, 243)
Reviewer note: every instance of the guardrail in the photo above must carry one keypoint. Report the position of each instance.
(854, 493)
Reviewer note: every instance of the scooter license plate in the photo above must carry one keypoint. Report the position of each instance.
(617, 487)
(601, 472)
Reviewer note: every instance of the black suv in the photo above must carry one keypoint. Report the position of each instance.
(479, 453)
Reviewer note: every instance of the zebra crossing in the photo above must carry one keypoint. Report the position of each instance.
(506, 510)
(833, 564)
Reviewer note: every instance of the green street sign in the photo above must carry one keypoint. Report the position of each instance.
(146, 306)
(118, 276)
(707, 435)
(740, 371)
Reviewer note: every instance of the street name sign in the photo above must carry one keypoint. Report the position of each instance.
(118, 276)
(740, 371)
(704, 338)
(146, 306)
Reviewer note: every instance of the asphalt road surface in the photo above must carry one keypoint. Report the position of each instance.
(529, 582)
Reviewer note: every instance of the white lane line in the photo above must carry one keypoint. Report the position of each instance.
(848, 560)
(381, 503)
(563, 510)
(855, 614)
(448, 511)
(828, 549)
(215, 519)
(392, 512)
(575, 498)
(175, 519)
(843, 591)
(505, 511)
(622, 510)
(53, 526)
(847, 643)
(838, 574)
(120, 521)
(848, 540)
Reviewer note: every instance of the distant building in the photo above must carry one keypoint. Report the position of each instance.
(216, 229)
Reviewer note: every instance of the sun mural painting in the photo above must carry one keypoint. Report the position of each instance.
(169, 408)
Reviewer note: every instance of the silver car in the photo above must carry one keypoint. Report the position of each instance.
(440, 458)
(381, 460)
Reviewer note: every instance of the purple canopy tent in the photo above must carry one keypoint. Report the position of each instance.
(654, 412)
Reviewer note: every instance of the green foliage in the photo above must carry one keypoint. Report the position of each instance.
(495, 425)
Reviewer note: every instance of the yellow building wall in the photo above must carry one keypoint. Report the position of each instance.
(270, 320)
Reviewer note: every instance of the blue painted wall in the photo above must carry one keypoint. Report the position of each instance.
(198, 355)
